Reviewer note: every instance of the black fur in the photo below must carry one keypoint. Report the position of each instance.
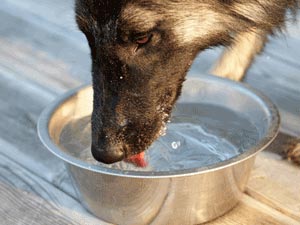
(136, 85)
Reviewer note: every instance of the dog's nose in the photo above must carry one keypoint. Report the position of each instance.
(109, 154)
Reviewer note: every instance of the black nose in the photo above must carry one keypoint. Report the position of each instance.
(109, 154)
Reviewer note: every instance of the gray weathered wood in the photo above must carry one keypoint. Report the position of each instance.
(21, 103)
(29, 199)
(276, 73)
(252, 212)
(19, 206)
(42, 54)
(37, 36)
(275, 182)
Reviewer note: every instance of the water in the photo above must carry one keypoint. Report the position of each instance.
(198, 135)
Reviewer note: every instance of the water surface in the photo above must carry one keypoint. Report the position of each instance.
(198, 135)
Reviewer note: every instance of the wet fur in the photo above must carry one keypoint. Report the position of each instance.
(135, 87)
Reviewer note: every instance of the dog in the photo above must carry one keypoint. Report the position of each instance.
(142, 49)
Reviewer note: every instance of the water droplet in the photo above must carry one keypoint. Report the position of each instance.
(176, 144)
(163, 130)
(193, 139)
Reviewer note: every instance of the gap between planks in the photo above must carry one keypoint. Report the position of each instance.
(276, 183)
(28, 199)
(252, 212)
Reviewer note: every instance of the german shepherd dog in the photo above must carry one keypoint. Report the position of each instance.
(142, 49)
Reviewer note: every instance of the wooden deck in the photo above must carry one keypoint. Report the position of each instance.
(42, 55)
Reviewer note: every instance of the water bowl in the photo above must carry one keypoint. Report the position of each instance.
(196, 172)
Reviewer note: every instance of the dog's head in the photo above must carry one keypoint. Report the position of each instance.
(141, 51)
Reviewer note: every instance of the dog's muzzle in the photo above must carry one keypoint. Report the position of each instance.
(109, 154)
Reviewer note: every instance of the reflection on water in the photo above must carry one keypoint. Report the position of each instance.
(198, 135)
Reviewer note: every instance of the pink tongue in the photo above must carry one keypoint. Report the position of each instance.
(138, 160)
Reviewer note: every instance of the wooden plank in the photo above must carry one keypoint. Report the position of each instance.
(42, 54)
(61, 16)
(55, 16)
(26, 165)
(19, 60)
(18, 207)
(23, 33)
(280, 81)
(32, 74)
(28, 199)
(250, 212)
(274, 190)
(21, 103)
(276, 182)
(278, 77)
(276, 72)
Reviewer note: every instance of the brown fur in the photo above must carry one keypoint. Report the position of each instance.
(136, 85)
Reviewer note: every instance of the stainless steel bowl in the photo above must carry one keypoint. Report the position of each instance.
(189, 196)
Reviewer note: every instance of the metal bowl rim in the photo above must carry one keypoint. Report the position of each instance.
(43, 133)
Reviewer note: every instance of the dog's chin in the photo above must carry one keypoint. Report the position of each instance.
(138, 146)
(132, 150)
(163, 128)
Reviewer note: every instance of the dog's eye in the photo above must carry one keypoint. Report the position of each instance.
(143, 39)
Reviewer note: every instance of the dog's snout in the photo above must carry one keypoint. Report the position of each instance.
(108, 154)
